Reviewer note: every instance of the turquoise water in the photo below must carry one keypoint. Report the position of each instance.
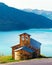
(10, 38)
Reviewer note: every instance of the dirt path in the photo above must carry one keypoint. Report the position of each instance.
(47, 61)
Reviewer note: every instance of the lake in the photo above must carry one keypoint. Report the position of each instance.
(11, 38)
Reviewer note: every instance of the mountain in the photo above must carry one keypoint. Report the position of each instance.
(47, 14)
(15, 19)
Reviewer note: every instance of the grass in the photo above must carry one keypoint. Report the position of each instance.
(6, 59)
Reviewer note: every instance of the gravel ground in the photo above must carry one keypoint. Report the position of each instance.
(44, 61)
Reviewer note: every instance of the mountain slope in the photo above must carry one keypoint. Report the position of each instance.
(14, 19)
(47, 14)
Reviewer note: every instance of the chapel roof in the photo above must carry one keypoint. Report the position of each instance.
(25, 48)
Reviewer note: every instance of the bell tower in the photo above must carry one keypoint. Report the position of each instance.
(24, 39)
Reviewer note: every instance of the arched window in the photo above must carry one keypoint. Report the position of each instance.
(26, 37)
(22, 37)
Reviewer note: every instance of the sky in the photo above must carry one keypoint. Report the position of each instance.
(31, 4)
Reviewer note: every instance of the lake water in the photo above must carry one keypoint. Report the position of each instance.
(11, 38)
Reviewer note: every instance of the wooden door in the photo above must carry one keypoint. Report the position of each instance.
(17, 56)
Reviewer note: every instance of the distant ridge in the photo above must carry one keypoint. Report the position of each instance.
(14, 19)
(47, 14)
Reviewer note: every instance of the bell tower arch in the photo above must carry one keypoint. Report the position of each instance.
(24, 39)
